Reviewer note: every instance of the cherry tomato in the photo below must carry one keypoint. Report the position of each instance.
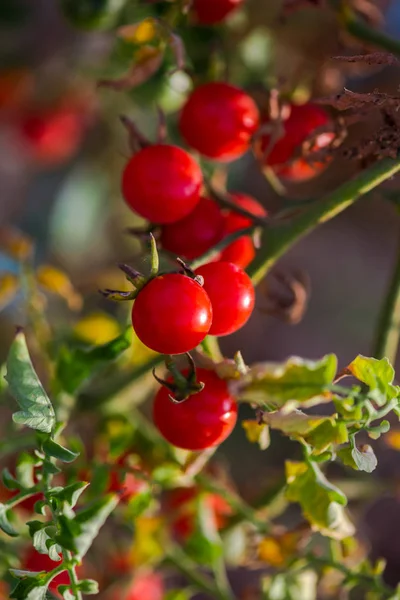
(209, 12)
(231, 293)
(146, 586)
(172, 314)
(203, 420)
(195, 234)
(162, 183)
(241, 252)
(52, 136)
(299, 125)
(33, 561)
(219, 120)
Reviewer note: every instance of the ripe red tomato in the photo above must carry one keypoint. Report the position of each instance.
(172, 314)
(33, 561)
(203, 420)
(52, 136)
(231, 293)
(299, 125)
(209, 12)
(162, 183)
(219, 120)
(195, 234)
(241, 252)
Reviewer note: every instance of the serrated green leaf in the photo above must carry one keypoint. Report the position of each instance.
(49, 468)
(365, 459)
(296, 382)
(36, 409)
(77, 366)
(91, 520)
(322, 503)
(71, 493)
(378, 375)
(52, 448)
(29, 589)
(89, 586)
(69, 529)
(40, 507)
(54, 550)
(5, 524)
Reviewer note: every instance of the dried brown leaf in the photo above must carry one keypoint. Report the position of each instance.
(374, 58)
(149, 62)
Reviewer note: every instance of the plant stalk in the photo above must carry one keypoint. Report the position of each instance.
(388, 331)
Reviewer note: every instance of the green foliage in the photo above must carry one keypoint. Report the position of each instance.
(36, 409)
(76, 366)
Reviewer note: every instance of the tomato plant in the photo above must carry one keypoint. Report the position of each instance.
(114, 405)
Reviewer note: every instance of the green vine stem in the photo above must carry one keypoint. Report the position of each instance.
(362, 31)
(388, 331)
(278, 238)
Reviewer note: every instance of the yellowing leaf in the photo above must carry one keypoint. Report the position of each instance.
(378, 375)
(148, 60)
(257, 433)
(296, 382)
(139, 33)
(8, 288)
(392, 439)
(321, 502)
(97, 328)
(15, 244)
(57, 282)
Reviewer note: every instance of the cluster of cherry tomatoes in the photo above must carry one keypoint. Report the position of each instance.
(174, 312)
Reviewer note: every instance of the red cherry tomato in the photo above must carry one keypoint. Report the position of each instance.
(172, 314)
(209, 12)
(219, 120)
(231, 293)
(241, 252)
(52, 136)
(195, 234)
(203, 420)
(299, 125)
(162, 183)
(33, 561)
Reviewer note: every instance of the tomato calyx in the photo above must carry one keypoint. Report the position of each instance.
(182, 386)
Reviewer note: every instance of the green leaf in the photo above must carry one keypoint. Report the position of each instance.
(30, 588)
(52, 448)
(378, 375)
(295, 422)
(9, 480)
(36, 409)
(69, 529)
(76, 366)
(139, 503)
(71, 493)
(91, 520)
(5, 524)
(205, 544)
(327, 433)
(321, 502)
(42, 535)
(364, 458)
(293, 383)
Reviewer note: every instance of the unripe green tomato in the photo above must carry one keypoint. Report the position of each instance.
(92, 14)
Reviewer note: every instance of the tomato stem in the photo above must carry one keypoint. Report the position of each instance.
(278, 238)
(388, 330)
